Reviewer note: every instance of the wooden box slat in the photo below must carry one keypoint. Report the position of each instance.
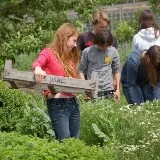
(25, 79)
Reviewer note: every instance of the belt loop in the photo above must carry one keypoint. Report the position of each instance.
(74, 99)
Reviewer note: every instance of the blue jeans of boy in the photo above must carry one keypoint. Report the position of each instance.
(65, 117)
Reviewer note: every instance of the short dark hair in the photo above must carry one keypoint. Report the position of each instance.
(103, 37)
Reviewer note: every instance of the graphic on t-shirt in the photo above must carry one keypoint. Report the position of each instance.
(107, 59)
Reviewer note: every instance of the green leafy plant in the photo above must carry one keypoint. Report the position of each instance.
(155, 5)
(16, 146)
(129, 131)
(21, 112)
(124, 32)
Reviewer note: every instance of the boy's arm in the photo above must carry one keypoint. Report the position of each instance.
(117, 77)
(83, 66)
(116, 74)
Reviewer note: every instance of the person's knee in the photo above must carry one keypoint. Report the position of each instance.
(61, 133)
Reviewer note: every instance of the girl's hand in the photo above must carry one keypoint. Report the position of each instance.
(39, 74)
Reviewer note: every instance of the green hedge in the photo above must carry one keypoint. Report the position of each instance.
(23, 113)
(14, 146)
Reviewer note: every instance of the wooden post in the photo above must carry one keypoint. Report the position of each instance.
(7, 67)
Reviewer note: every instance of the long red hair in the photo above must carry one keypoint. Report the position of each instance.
(69, 59)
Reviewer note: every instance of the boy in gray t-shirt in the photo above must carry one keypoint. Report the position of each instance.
(104, 59)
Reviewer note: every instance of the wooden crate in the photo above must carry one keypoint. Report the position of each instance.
(24, 79)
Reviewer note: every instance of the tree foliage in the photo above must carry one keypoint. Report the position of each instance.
(124, 32)
(27, 25)
(155, 4)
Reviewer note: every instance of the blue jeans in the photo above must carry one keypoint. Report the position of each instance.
(156, 91)
(138, 94)
(65, 117)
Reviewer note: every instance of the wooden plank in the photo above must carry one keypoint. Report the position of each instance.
(26, 80)
(55, 80)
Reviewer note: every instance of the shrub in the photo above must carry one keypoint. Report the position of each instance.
(21, 112)
(126, 132)
(16, 146)
(106, 121)
(124, 32)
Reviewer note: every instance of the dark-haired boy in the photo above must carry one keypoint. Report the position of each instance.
(104, 59)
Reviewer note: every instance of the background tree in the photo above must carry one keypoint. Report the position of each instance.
(27, 25)
(155, 4)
